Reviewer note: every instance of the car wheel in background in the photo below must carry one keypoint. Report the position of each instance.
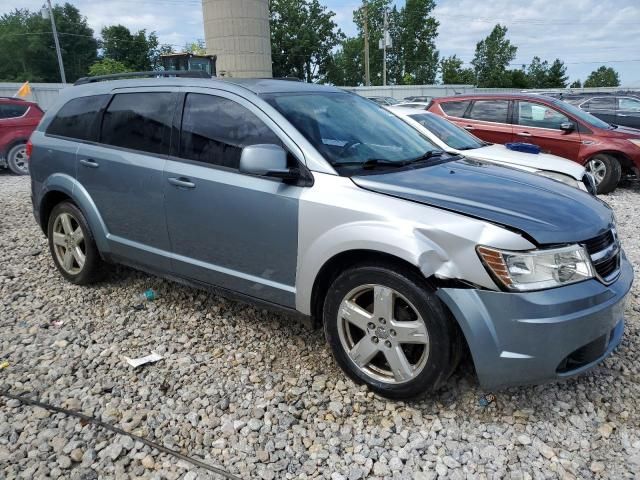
(387, 329)
(606, 171)
(17, 159)
(72, 245)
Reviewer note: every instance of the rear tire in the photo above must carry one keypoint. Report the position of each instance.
(72, 246)
(388, 330)
(606, 171)
(17, 159)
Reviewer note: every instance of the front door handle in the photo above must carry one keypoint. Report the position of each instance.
(469, 127)
(87, 162)
(181, 182)
(524, 134)
(623, 115)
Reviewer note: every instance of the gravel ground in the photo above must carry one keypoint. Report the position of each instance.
(260, 396)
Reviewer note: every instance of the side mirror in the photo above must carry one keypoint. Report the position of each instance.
(567, 127)
(267, 160)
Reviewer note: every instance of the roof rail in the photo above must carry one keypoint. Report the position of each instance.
(13, 98)
(159, 73)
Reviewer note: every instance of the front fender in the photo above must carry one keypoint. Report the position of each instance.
(376, 236)
(60, 182)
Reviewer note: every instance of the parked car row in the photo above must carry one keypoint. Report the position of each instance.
(18, 119)
(557, 127)
(317, 202)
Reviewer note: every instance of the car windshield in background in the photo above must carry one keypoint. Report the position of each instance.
(449, 133)
(353, 133)
(582, 115)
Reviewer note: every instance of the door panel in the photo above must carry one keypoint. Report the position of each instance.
(233, 230)
(602, 107)
(488, 120)
(539, 124)
(127, 189)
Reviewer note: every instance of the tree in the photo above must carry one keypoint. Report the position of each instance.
(454, 74)
(197, 47)
(576, 84)
(27, 50)
(493, 55)
(413, 58)
(138, 52)
(537, 73)
(346, 65)
(303, 36)
(557, 75)
(107, 66)
(603, 77)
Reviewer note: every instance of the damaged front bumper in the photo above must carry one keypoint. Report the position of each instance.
(534, 337)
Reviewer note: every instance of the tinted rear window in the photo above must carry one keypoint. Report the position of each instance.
(140, 121)
(11, 110)
(76, 119)
(602, 103)
(490, 110)
(455, 109)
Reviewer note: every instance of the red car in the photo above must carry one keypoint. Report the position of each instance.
(18, 118)
(607, 151)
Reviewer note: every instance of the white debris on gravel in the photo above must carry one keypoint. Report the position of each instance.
(259, 395)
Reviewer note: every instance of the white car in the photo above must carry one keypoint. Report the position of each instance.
(454, 139)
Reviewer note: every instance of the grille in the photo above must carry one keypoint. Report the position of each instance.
(605, 255)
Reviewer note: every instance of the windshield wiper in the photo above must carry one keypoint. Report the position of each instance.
(424, 157)
(371, 163)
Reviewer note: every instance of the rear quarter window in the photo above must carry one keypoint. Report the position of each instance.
(77, 118)
(11, 110)
(455, 109)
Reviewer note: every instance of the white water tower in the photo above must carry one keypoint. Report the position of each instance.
(237, 32)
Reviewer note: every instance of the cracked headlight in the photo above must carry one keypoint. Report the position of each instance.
(560, 177)
(537, 269)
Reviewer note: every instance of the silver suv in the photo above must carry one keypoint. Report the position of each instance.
(319, 202)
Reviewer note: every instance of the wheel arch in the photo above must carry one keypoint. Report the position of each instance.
(625, 162)
(14, 142)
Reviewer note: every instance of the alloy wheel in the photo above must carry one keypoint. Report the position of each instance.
(20, 160)
(598, 169)
(383, 334)
(68, 243)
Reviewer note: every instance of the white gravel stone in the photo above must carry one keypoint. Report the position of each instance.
(259, 395)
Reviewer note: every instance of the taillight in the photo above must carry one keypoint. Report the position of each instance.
(29, 148)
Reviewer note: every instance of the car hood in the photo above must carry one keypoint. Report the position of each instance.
(550, 212)
(540, 161)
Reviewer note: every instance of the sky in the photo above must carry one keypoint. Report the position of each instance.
(583, 33)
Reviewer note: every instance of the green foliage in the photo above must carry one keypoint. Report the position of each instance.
(137, 51)
(346, 66)
(27, 50)
(303, 35)
(197, 47)
(493, 55)
(603, 77)
(518, 78)
(542, 75)
(557, 76)
(453, 73)
(413, 58)
(107, 66)
(576, 84)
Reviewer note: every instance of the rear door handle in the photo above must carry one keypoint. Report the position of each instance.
(469, 127)
(87, 162)
(524, 134)
(181, 182)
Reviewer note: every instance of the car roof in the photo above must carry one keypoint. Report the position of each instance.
(497, 96)
(407, 110)
(257, 86)
(17, 100)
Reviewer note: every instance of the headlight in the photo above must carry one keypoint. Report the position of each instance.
(561, 177)
(635, 141)
(537, 269)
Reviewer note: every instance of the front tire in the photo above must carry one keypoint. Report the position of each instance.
(387, 329)
(72, 246)
(17, 160)
(606, 171)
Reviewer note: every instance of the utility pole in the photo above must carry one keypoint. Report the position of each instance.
(47, 10)
(384, 50)
(367, 79)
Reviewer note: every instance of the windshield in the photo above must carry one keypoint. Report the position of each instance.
(582, 115)
(352, 133)
(448, 132)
